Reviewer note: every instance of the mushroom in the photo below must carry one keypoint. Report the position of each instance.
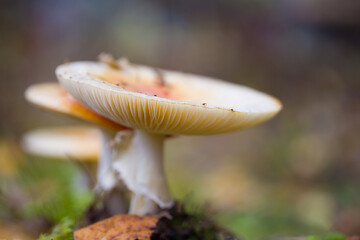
(76, 142)
(51, 96)
(156, 103)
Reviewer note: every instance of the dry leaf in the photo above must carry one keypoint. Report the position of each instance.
(120, 227)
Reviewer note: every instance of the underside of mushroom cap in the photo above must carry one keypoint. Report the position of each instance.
(166, 102)
(80, 143)
(53, 97)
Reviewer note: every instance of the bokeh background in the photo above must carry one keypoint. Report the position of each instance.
(297, 174)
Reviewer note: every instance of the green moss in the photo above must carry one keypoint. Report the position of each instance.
(328, 236)
(264, 224)
(62, 231)
(53, 190)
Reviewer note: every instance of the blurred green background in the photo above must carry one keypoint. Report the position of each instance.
(297, 174)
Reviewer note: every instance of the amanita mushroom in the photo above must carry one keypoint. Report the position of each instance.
(51, 96)
(156, 103)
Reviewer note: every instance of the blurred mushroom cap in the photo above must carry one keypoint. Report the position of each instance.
(79, 143)
(53, 97)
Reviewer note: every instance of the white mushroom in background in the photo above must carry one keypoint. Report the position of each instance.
(156, 103)
(72, 143)
(76, 143)
(53, 97)
(81, 143)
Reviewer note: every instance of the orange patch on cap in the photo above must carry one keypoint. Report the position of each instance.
(53, 97)
(77, 109)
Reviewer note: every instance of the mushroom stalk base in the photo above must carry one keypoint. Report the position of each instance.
(108, 188)
(141, 205)
(140, 166)
(106, 177)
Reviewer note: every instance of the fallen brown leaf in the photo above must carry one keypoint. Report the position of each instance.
(120, 227)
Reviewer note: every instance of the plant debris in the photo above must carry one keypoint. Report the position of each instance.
(160, 77)
(177, 224)
(109, 60)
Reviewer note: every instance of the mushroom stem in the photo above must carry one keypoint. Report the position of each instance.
(141, 205)
(140, 166)
(106, 179)
(107, 184)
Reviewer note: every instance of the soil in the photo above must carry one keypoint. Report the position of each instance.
(177, 224)
(103, 207)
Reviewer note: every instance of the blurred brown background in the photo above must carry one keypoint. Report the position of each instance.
(297, 174)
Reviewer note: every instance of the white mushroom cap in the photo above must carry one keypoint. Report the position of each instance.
(79, 143)
(53, 97)
(166, 102)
